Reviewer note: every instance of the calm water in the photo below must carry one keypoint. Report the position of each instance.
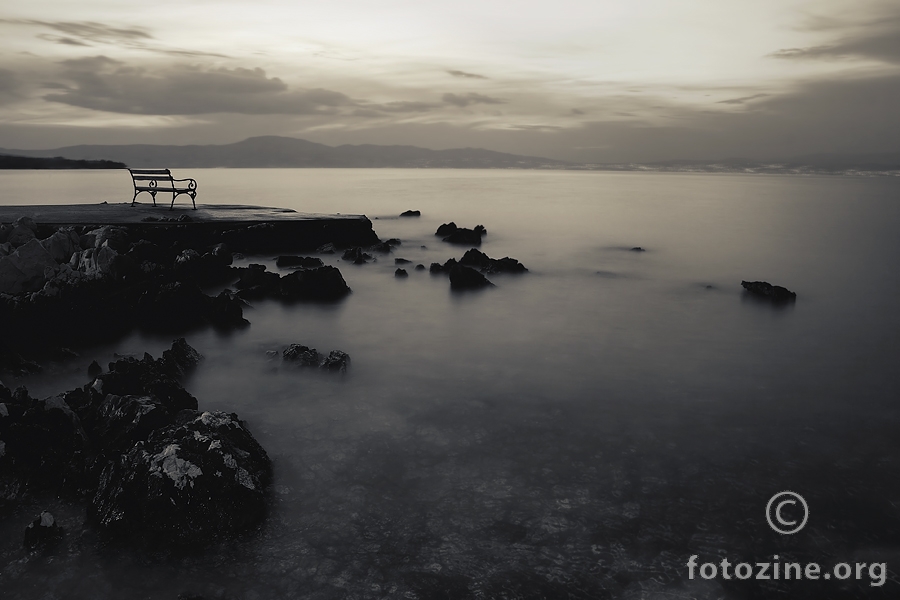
(579, 430)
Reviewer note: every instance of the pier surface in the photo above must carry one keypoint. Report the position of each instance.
(245, 228)
(124, 214)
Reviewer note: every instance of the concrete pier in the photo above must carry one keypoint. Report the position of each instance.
(245, 228)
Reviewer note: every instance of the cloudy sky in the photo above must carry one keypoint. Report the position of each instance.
(583, 80)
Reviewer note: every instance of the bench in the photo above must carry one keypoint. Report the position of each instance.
(154, 181)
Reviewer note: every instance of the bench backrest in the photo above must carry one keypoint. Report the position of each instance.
(151, 175)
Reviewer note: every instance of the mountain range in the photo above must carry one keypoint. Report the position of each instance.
(277, 151)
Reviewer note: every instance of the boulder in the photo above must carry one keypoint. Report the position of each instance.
(221, 254)
(129, 376)
(102, 262)
(62, 244)
(323, 283)
(179, 360)
(301, 356)
(774, 293)
(20, 235)
(411, 213)
(226, 311)
(465, 236)
(304, 262)
(486, 264)
(122, 421)
(42, 533)
(24, 270)
(465, 278)
(116, 238)
(4, 232)
(6, 249)
(356, 256)
(446, 229)
(94, 369)
(420, 267)
(336, 361)
(326, 249)
(401, 273)
(26, 222)
(193, 482)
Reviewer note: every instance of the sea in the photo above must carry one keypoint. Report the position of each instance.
(577, 431)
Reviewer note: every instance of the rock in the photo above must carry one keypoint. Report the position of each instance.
(144, 251)
(103, 262)
(116, 238)
(336, 361)
(42, 533)
(222, 254)
(146, 377)
(323, 283)
(173, 307)
(304, 262)
(122, 421)
(764, 289)
(465, 278)
(301, 356)
(24, 270)
(20, 235)
(256, 282)
(94, 369)
(179, 360)
(465, 236)
(638, 249)
(401, 273)
(185, 218)
(226, 311)
(420, 267)
(326, 249)
(195, 481)
(411, 213)
(486, 264)
(356, 255)
(4, 232)
(26, 222)
(62, 244)
(6, 249)
(383, 247)
(446, 229)
(401, 261)
(437, 268)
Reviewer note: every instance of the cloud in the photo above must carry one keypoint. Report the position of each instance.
(91, 33)
(463, 100)
(464, 74)
(105, 84)
(877, 39)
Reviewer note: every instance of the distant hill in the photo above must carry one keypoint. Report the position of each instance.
(56, 162)
(275, 151)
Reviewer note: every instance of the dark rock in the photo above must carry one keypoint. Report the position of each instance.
(420, 267)
(94, 369)
(122, 421)
(323, 283)
(480, 230)
(336, 361)
(301, 356)
(437, 268)
(383, 247)
(326, 249)
(24, 270)
(464, 236)
(356, 255)
(394, 242)
(198, 480)
(476, 258)
(305, 262)
(62, 244)
(226, 311)
(638, 249)
(17, 365)
(172, 307)
(43, 533)
(411, 213)
(465, 278)
(185, 218)
(132, 377)
(401, 273)
(401, 261)
(179, 360)
(143, 251)
(116, 238)
(764, 289)
(256, 282)
(446, 229)
(222, 254)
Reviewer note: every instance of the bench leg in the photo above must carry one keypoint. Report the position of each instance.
(193, 199)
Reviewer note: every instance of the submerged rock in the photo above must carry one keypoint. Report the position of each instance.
(764, 289)
(304, 262)
(42, 533)
(420, 267)
(304, 356)
(411, 213)
(401, 261)
(465, 278)
(356, 256)
(336, 361)
(200, 479)
(401, 273)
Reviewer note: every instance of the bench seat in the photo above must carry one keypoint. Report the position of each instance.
(154, 181)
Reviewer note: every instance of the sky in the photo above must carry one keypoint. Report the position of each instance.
(580, 80)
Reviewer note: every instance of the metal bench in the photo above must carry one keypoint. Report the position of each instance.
(154, 181)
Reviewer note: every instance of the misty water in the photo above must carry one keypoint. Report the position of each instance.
(577, 431)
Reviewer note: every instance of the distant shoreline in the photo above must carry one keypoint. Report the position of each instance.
(56, 162)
